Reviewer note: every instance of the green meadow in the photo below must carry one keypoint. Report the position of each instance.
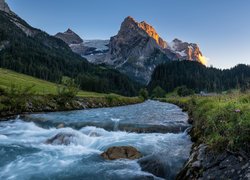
(40, 87)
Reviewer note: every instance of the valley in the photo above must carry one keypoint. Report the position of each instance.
(119, 99)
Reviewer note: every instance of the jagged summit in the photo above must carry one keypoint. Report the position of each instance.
(69, 31)
(146, 29)
(69, 37)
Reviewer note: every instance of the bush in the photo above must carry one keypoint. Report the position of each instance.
(184, 91)
(143, 93)
(68, 90)
(158, 92)
(17, 97)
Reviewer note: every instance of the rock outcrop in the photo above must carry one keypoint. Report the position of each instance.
(205, 164)
(60, 139)
(121, 152)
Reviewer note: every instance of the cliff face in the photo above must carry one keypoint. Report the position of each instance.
(131, 42)
(153, 34)
(186, 51)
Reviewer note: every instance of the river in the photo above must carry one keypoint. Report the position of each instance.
(156, 129)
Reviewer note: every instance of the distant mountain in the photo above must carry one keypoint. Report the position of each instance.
(69, 37)
(31, 51)
(90, 49)
(137, 49)
(199, 77)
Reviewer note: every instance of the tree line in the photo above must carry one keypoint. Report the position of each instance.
(198, 77)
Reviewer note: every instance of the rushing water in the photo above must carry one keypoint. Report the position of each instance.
(156, 129)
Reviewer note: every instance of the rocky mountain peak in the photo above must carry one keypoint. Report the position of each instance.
(4, 6)
(130, 25)
(69, 31)
(69, 37)
(187, 51)
(152, 33)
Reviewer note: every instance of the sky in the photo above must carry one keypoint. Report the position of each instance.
(221, 28)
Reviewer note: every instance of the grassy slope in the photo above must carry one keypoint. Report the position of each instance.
(222, 121)
(41, 87)
(44, 96)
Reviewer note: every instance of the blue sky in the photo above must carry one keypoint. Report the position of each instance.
(220, 27)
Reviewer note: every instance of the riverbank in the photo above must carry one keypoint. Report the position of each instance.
(11, 106)
(220, 132)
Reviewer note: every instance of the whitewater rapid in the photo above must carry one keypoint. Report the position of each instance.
(25, 155)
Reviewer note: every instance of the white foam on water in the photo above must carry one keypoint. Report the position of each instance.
(3, 137)
(82, 155)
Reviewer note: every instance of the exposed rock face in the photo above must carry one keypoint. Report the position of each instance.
(90, 49)
(186, 51)
(152, 33)
(27, 29)
(69, 37)
(122, 152)
(204, 164)
(4, 6)
(131, 42)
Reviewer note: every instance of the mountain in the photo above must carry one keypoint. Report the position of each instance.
(4, 7)
(137, 49)
(69, 37)
(87, 48)
(31, 51)
(199, 77)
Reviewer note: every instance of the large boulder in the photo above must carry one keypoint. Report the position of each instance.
(60, 139)
(121, 152)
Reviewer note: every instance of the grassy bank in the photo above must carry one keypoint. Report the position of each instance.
(21, 93)
(222, 121)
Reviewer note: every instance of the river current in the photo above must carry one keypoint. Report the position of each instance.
(157, 130)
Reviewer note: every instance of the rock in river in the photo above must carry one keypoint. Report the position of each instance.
(154, 165)
(121, 152)
(60, 139)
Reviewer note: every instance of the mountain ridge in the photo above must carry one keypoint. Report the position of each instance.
(131, 50)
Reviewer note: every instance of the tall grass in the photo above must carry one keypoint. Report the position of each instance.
(222, 121)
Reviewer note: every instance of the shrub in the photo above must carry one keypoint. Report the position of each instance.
(158, 92)
(184, 91)
(143, 93)
(68, 90)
